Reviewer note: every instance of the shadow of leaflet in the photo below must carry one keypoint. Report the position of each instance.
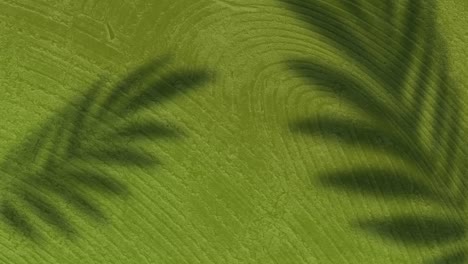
(379, 183)
(71, 153)
(400, 80)
(430, 229)
(457, 257)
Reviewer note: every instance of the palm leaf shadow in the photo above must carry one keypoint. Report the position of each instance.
(412, 109)
(378, 182)
(70, 155)
(457, 257)
(430, 229)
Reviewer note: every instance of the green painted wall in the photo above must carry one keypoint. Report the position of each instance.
(238, 186)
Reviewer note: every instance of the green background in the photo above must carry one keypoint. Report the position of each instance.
(239, 187)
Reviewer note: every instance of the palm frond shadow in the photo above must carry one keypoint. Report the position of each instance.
(413, 112)
(457, 257)
(71, 157)
(430, 229)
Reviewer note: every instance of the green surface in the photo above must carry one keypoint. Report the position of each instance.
(239, 185)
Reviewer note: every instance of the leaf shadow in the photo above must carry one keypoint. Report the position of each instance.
(430, 229)
(364, 135)
(457, 257)
(378, 182)
(400, 80)
(71, 159)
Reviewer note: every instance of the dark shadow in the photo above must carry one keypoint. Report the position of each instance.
(120, 155)
(351, 36)
(344, 86)
(366, 136)
(430, 230)
(99, 182)
(164, 88)
(47, 211)
(18, 221)
(67, 159)
(146, 130)
(457, 257)
(400, 80)
(378, 182)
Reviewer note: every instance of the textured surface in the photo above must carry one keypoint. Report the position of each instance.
(237, 188)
